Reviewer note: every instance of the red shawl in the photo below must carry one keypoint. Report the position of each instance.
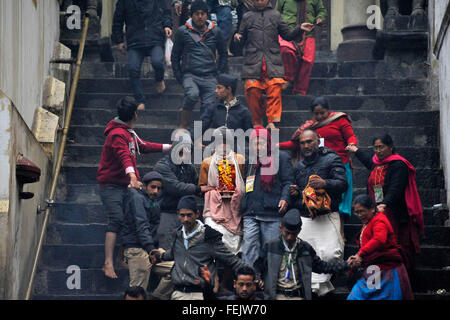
(411, 194)
(313, 124)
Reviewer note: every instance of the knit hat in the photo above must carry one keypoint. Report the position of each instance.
(152, 176)
(188, 202)
(199, 5)
(292, 220)
(227, 81)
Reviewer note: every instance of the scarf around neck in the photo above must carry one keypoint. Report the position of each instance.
(193, 233)
(267, 180)
(290, 259)
(412, 198)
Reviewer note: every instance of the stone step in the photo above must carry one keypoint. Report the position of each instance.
(398, 102)
(83, 297)
(50, 282)
(337, 295)
(290, 118)
(431, 256)
(86, 256)
(426, 178)
(82, 193)
(94, 213)
(78, 154)
(94, 233)
(93, 280)
(321, 69)
(318, 86)
(402, 136)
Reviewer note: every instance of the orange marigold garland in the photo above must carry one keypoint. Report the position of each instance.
(227, 175)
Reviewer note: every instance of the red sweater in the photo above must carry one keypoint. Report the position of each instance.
(338, 135)
(378, 245)
(119, 154)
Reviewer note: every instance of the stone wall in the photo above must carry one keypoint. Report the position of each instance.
(439, 17)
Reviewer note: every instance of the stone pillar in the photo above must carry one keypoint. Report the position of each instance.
(359, 41)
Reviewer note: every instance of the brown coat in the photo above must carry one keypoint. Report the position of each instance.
(260, 30)
(204, 169)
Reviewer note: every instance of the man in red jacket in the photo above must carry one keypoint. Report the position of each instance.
(118, 171)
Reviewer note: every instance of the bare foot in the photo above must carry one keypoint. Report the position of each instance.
(108, 269)
(230, 54)
(160, 87)
(141, 107)
(271, 126)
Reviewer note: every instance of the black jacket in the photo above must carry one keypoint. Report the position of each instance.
(236, 117)
(266, 203)
(145, 21)
(141, 221)
(395, 183)
(196, 54)
(328, 165)
(178, 181)
(269, 263)
(206, 249)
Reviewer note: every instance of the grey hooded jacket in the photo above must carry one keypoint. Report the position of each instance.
(204, 251)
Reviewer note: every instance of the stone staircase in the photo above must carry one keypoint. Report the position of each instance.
(378, 97)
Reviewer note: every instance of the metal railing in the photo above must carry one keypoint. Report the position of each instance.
(61, 150)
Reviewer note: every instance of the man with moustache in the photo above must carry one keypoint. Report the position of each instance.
(322, 172)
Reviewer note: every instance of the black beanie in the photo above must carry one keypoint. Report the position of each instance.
(227, 81)
(199, 5)
(151, 176)
(292, 220)
(188, 202)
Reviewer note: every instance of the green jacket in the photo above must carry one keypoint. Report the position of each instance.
(288, 9)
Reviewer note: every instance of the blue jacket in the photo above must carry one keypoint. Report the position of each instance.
(265, 203)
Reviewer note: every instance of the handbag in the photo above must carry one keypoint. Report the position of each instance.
(316, 201)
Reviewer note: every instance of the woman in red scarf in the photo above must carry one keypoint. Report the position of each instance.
(392, 185)
(378, 252)
(337, 132)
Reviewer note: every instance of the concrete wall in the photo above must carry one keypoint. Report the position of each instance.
(20, 225)
(28, 34)
(440, 67)
(29, 31)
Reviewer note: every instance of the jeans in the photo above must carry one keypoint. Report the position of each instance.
(195, 87)
(114, 200)
(256, 234)
(135, 58)
(224, 18)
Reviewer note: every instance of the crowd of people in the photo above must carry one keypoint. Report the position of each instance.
(239, 229)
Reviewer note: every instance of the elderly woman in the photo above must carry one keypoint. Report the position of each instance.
(385, 276)
(392, 186)
(336, 132)
(224, 170)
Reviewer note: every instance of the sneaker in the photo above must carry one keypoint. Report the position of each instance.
(160, 87)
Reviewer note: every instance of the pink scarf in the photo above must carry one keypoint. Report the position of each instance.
(266, 180)
(411, 194)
